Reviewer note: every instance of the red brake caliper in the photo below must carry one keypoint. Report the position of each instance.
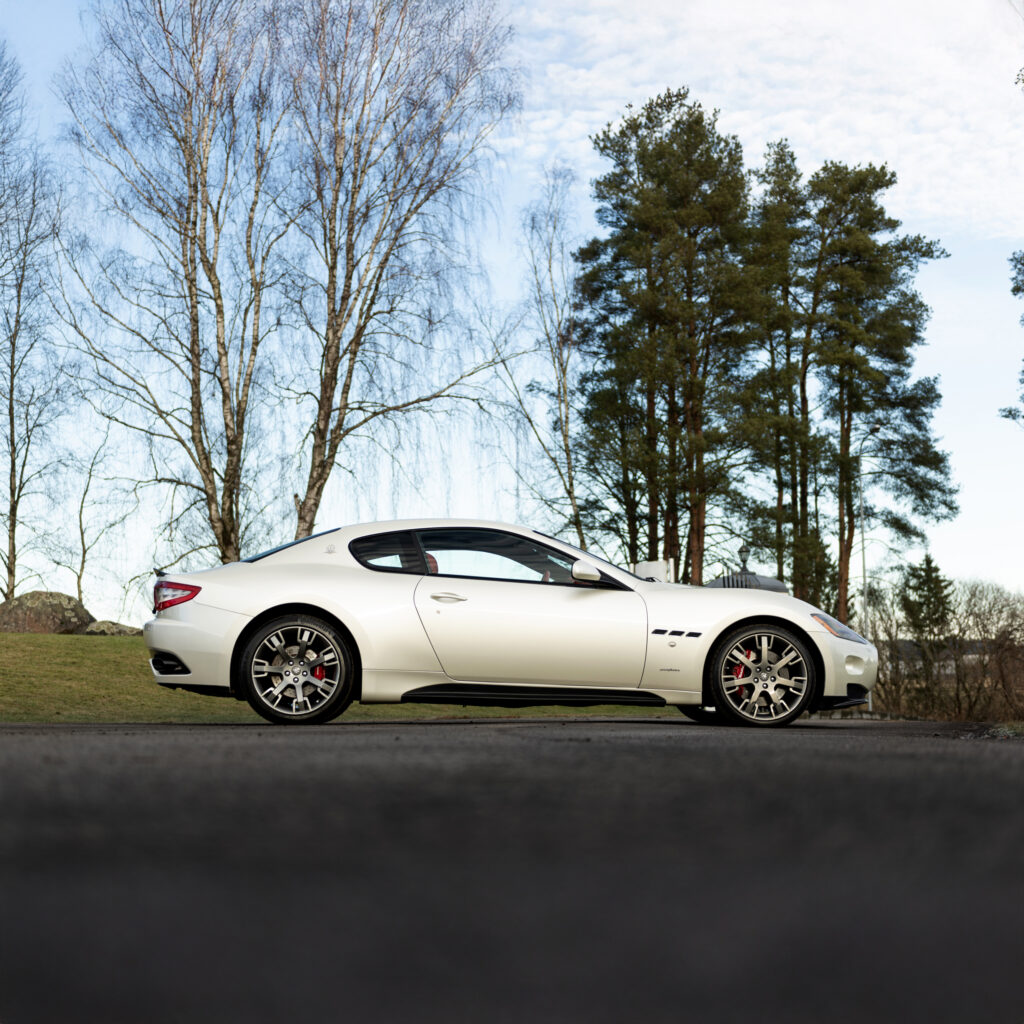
(318, 672)
(738, 673)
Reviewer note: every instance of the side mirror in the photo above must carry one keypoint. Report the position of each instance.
(585, 572)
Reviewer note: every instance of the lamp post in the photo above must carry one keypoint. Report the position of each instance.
(863, 547)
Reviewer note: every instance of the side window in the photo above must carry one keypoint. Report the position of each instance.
(491, 554)
(389, 552)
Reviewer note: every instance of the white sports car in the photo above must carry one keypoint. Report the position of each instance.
(466, 612)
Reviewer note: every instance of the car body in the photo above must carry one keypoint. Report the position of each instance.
(470, 612)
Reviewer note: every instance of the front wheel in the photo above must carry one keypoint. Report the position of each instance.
(762, 674)
(297, 669)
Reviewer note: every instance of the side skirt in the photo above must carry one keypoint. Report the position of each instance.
(501, 696)
(835, 703)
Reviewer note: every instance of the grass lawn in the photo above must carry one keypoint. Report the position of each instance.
(107, 679)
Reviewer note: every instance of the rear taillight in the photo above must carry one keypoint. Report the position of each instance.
(166, 595)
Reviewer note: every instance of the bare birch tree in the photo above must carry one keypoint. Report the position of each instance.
(30, 378)
(96, 515)
(395, 101)
(179, 118)
(547, 406)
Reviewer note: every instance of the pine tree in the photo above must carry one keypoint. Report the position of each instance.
(752, 360)
(1016, 412)
(669, 299)
(771, 400)
(835, 347)
(868, 321)
(926, 603)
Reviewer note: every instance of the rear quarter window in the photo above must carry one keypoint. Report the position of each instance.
(389, 552)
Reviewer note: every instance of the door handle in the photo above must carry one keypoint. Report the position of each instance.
(448, 596)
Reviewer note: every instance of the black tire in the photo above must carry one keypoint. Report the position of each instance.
(746, 685)
(298, 670)
(703, 714)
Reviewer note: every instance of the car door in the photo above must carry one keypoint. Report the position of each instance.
(499, 607)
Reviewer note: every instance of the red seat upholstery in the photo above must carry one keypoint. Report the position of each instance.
(431, 565)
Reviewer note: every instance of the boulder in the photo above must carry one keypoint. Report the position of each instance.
(43, 611)
(104, 627)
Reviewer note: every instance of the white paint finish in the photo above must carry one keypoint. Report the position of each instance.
(483, 630)
(849, 662)
(202, 637)
(385, 686)
(510, 632)
(376, 607)
(713, 611)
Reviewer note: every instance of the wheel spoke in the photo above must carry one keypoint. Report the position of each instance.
(261, 668)
(272, 694)
(740, 655)
(790, 654)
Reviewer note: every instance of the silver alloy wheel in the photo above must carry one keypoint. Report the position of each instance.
(764, 676)
(296, 670)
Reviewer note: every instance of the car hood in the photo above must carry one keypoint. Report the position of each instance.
(703, 607)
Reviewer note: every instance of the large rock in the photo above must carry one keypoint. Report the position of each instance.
(104, 627)
(44, 611)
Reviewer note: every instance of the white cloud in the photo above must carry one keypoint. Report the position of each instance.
(927, 87)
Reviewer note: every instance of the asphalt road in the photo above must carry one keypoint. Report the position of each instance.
(500, 871)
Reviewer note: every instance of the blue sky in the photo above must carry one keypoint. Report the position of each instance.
(924, 85)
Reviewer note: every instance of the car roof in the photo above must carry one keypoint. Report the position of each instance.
(343, 535)
(385, 525)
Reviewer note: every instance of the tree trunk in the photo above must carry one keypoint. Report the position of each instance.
(847, 515)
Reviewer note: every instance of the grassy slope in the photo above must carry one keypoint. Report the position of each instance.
(45, 678)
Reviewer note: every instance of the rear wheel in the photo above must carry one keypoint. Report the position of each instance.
(298, 670)
(762, 674)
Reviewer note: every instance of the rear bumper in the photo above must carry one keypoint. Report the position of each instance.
(194, 651)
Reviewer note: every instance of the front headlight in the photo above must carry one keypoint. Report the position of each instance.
(836, 628)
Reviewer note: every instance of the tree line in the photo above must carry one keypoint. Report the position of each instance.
(947, 649)
(743, 346)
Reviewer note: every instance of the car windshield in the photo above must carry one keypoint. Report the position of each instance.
(589, 555)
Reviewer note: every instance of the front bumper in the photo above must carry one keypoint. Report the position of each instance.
(851, 670)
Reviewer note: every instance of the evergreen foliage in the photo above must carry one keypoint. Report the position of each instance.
(752, 337)
(926, 603)
(668, 303)
(1016, 412)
